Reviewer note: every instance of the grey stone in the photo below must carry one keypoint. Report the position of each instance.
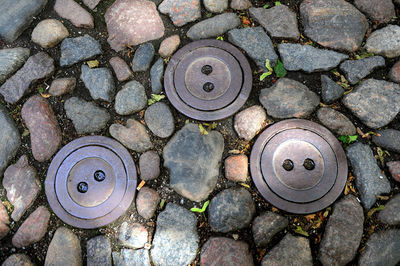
(16, 16)
(11, 60)
(149, 165)
(394, 169)
(382, 249)
(279, 21)
(342, 233)
(290, 251)
(216, 6)
(99, 82)
(75, 13)
(176, 241)
(18, 260)
(356, 70)
(370, 180)
(288, 98)
(193, 161)
(256, 43)
(385, 41)
(266, 226)
(91, 3)
(147, 201)
(64, 249)
(389, 139)
(374, 102)
(334, 24)
(159, 119)
(336, 121)
(38, 66)
(143, 57)
(250, 121)
(99, 251)
(131, 98)
(240, 4)
(391, 213)
(87, 117)
(181, 12)
(128, 257)
(214, 26)
(62, 86)
(330, 91)
(379, 10)
(49, 32)
(132, 235)
(307, 58)
(74, 50)
(156, 75)
(10, 139)
(230, 210)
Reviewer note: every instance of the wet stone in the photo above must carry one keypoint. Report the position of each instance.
(11, 60)
(391, 213)
(16, 16)
(147, 201)
(121, 68)
(125, 20)
(389, 139)
(64, 249)
(4, 221)
(99, 82)
(156, 75)
(62, 86)
(38, 66)
(290, 250)
(33, 229)
(169, 45)
(256, 43)
(49, 32)
(149, 165)
(230, 210)
(72, 11)
(240, 4)
(385, 42)
(91, 3)
(74, 50)
(343, 232)
(133, 136)
(216, 6)
(99, 251)
(336, 122)
(250, 121)
(279, 21)
(131, 98)
(236, 168)
(214, 26)
(288, 98)
(334, 24)
(87, 117)
(330, 91)
(43, 126)
(181, 11)
(143, 57)
(18, 260)
(159, 119)
(175, 241)
(266, 226)
(189, 151)
(129, 257)
(355, 70)
(132, 235)
(374, 102)
(379, 10)
(370, 180)
(307, 58)
(22, 186)
(9, 138)
(225, 251)
(382, 249)
(394, 169)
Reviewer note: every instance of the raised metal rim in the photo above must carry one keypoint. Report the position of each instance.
(119, 209)
(270, 196)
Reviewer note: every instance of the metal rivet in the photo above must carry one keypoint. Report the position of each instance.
(83, 187)
(309, 164)
(99, 176)
(208, 86)
(206, 69)
(288, 165)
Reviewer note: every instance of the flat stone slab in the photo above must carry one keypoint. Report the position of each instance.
(74, 50)
(266, 226)
(131, 257)
(75, 13)
(64, 249)
(99, 251)
(99, 82)
(336, 121)
(378, 10)
(11, 59)
(374, 102)
(10, 139)
(131, 98)
(356, 70)
(132, 235)
(181, 12)
(214, 26)
(193, 161)
(307, 58)
(389, 139)
(391, 213)
(385, 42)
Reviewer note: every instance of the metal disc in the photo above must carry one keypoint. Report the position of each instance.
(298, 166)
(208, 80)
(91, 182)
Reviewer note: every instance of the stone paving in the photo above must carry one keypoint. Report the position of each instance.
(95, 67)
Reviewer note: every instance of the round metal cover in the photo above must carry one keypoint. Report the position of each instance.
(91, 182)
(298, 166)
(208, 80)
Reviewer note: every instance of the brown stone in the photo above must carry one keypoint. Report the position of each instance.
(43, 127)
(71, 10)
(181, 12)
(121, 68)
(147, 201)
(394, 169)
(132, 22)
(49, 32)
(240, 4)
(379, 10)
(133, 136)
(394, 73)
(236, 168)
(62, 86)
(169, 46)
(64, 249)
(22, 186)
(4, 221)
(33, 229)
(250, 121)
(18, 260)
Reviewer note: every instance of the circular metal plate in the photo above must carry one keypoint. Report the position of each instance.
(208, 80)
(298, 166)
(91, 182)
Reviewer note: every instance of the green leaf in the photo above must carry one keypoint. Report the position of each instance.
(203, 131)
(162, 203)
(203, 209)
(347, 139)
(300, 231)
(155, 98)
(277, 3)
(220, 38)
(264, 75)
(280, 70)
(363, 54)
(270, 70)
(41, 90)
(372, 211)
(266, 6)
(93, 63)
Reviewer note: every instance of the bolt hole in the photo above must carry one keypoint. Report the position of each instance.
(288, 165)
(83, 187)
(99, 176)
(208, 86)
(206, 69)
(309, 164)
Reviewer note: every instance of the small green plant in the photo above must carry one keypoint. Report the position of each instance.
(300, 231)
(347, 139)
(202, 210)
(266, 74)
(41, 90)
(363, 54)
(277, 3)
(220, 38)
(279, 69)
(155, 98)
(203, 131)
(266, 6)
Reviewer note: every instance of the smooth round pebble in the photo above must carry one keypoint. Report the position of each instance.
(49, 33)
(159, 119)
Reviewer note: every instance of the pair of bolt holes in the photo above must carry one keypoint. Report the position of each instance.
(308, 164)
(99, 176)
(207, 70)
